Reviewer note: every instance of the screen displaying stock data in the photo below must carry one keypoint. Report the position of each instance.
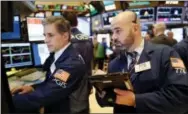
(16, 54)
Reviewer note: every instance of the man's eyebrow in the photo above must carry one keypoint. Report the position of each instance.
(116, 28)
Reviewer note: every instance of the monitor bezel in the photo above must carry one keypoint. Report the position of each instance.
(21, 36)
(20, 67)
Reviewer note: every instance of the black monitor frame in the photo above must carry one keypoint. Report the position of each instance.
(21, 37)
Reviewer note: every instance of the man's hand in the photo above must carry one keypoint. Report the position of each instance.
(124, 97)
(22, 90)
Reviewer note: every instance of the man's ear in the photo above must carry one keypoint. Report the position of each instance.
(66, 35)
(136, 27)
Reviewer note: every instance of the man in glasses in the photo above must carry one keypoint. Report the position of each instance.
(157, 73)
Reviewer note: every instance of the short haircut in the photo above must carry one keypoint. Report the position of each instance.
(160, 27)
(72, 18)
(62, 25)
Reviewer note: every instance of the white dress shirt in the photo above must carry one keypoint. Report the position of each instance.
(139, 50)
(57, 55)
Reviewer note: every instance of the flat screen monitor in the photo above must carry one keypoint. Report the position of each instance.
(57, 13)
(178, 33)
(92, 9)
(16, 34)
(84, 25)
(48, 13)
(101, 36)
(107, 17)
(40, 53)
(35, 29)
(40, 7)
(64, 7)
(169, 14)
(144, 27)
(16, 54)
(109, 5)
(40, 14)
(96, 22)
(146, 15)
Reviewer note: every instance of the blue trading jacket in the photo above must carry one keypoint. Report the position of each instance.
(54, 94)
(162, 88)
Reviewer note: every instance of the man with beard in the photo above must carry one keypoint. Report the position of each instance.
(157, 73)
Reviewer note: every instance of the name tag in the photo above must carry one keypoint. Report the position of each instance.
(143, 66)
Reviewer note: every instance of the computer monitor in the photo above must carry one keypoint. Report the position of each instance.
(92, 9)
(146, 15)
(178, 33)
(35, 29)
(57, 13)
(16, 34)
(48, 13)
(169, 14)
(101, 36)
(40, 14)
(107, 17)
(16, 54)
(84, 25)
(40, 53)
(144, 27)
(96, 22)
(109, 5)
(63, 7)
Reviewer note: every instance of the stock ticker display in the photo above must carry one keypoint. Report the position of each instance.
(16, 54)
(146, 15)
(169, 14)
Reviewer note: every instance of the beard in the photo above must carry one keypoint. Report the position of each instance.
(119, 46)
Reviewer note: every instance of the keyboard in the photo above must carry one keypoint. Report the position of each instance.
(33, 76)
(25, 71)
(15, 84)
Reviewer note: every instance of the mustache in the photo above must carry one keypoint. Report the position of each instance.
(117, 43)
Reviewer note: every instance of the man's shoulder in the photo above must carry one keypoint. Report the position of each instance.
(182, 43)
(115, 60)
(72, 55)
(157, 47)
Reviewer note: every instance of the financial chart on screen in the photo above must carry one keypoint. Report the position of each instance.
(16, 54)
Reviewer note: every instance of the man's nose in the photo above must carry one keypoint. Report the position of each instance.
(46, 40)
(114, 37)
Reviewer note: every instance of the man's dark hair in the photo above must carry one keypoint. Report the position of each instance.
(72, 18)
